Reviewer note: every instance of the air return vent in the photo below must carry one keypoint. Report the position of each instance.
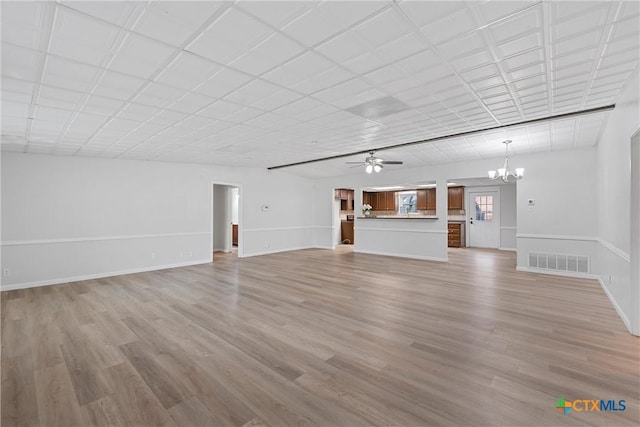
(559, 262)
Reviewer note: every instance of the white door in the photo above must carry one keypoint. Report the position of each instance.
(484, 219)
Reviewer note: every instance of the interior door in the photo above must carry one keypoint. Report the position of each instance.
(484, 219)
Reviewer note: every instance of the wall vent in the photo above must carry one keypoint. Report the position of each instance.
(559, 262)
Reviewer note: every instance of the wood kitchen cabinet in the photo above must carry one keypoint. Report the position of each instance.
(455, 235)
(456, 198)
(346, 197)
(346, 228)
(366, 198)
(431, 199)
(426, 199)
(234, 234)
(390, 197)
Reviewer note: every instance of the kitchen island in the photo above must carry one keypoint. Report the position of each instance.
(413, 236)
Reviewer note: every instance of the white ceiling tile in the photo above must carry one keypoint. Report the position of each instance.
(514, 47)
(20, 35)
(68, 74)
(118, 85)
(114, 12)
(276, 13)
(314, 26)
(19, 63)
(364, 63)
(342, 47)
(267, 55)
(222, 42)
(580, 23)
(383, 28)
(522, 60)
(423, 13)
(451, 26)
(222, 83)
(159, 26)
(140, 56)
(517, 26)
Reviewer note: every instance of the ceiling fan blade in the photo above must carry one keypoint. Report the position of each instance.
(355, 163)
(390, 162)
(356, 166)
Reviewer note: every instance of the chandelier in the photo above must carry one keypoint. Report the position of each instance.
(505, 171)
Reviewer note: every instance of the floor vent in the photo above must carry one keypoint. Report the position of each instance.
(558, 262)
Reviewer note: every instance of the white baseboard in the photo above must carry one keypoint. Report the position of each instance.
(247, 255)
(624, 318)
(425, 258)
(98, 275)
(323, 247)
(558, 273)
(508, 249)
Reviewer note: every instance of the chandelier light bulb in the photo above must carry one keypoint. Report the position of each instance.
(492, 174)
(519, 172)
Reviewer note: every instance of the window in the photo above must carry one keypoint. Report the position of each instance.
(407, 202)
(484, 208)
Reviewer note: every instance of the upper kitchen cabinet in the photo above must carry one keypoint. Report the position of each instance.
(426, 199)
(456, 198)
(346, 197)
(380, 200)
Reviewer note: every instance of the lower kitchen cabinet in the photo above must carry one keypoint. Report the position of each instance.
(346, 228)
(455, 235)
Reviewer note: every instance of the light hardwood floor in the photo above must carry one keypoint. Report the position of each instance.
(317, 338)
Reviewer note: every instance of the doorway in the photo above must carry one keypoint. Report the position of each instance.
(484, 218)
(343, 214)
(225, 219)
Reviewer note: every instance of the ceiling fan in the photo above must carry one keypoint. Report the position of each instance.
(373, 163)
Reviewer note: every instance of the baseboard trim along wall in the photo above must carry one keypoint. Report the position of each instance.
(624, 318)
(277, 251)
(62, 280)
(559, 273)
(400, 255)
(508, 249)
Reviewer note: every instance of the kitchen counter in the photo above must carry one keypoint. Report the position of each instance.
(398, 217)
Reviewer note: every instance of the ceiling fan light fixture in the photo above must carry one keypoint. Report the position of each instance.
(369, 168)
(505, 171)
(377, 167)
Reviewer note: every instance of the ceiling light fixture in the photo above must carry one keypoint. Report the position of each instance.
(505, 172)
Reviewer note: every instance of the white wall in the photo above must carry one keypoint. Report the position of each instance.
(66, 218)
(508, 217)
(563, 220)
(613, 172)
(235, 200)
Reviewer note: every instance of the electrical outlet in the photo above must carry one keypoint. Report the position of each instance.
(190, 254)
(609, 280)
(266, 245)
(181, 254)
(153, 255)
(6, 272)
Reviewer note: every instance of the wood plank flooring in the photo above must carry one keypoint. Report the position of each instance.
(317, 338)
